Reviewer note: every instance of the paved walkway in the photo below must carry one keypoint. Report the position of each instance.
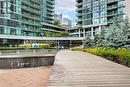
(28, 77)
(79, 69)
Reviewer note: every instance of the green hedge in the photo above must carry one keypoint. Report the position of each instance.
(120, 55)
(26, 46)
(29, 46)
(44, 46)
(77, 49)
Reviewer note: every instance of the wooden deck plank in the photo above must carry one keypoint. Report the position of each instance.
(80, 69)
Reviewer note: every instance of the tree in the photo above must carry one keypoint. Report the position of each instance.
(56, 22)
(88, 42)
(101, 41)
(64, 34)
(126, 26)
(117, 34)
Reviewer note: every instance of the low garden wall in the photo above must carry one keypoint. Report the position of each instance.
(26, 58)
(25, 62)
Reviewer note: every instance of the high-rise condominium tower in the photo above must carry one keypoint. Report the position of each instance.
(94, 14)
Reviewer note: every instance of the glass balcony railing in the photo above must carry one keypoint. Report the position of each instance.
(31, 5)
(112, 7)
(36, 1)
(79, 14)
(31, 10)
(111, 1)
(79, 4)
(51, 2)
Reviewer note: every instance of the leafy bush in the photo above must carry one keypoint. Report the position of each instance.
(44, 46)
(27, 46)
(77, 49)
(119, 55)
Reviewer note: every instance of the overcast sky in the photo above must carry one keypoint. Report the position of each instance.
(67, 8)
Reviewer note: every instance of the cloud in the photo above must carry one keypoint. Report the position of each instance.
(65, 6)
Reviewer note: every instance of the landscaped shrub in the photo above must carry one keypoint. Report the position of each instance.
(77, 49)
(43, 46)
(25, 46)
(29, 46)
(120, 55)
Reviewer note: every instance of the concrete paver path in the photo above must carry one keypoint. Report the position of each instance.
(26, 77)
(80, 69)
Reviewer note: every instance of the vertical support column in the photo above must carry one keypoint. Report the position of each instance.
(58, 44)
(70, 44)
(84, 33)
(79, 33)
(99, 29)
(24, 41)
(92, 32)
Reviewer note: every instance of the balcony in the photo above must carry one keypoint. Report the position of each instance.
(112, 1)
(36, 1)
(50, 9)
(79, 14)
(32, 18)
(36, 12)
(51, 2)
(79, 4)
(112, 7)
(78, 1)
(28, 22)
(30, 5)
(80, 19)
(79, 9)
(49, 5)
(49, 13)
(49, 17)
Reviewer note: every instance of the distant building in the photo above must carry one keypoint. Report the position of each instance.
(58, 17)
(66, 22)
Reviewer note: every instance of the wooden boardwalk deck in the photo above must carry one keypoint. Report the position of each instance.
(79, 69)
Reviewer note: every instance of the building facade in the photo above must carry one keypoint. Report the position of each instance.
(94, 14)
(48, 17)
(26, 18)
(48, 11)
(20, 17)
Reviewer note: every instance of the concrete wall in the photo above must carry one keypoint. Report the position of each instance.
(11, 59)
(25, 62)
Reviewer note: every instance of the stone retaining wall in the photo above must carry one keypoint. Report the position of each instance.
(27, 58)
(24, 62)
